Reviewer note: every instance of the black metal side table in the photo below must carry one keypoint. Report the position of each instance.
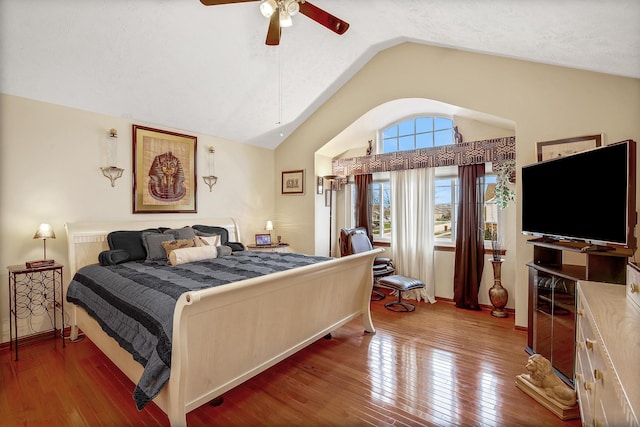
(33, 292)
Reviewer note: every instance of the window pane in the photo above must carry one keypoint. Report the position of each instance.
(375, 208)
(406, 143)
(443, 137)
(424, 124)
(386, 214)
(390, 132)
(424, 140)
(381, 210)
(490, 207)
(375, 193)
(418, 133)
(390, 145)
(352, 189)
(407, 127)
(442, 123)
(443, 208)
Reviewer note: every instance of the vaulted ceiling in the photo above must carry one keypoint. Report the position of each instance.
(204, 69)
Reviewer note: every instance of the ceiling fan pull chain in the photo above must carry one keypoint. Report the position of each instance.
(280, 89)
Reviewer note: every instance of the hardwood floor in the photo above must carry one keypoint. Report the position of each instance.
(436, 366)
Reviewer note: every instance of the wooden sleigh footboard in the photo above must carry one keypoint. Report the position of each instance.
(225, 335)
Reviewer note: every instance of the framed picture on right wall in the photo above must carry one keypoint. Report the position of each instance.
(293, 182)
(563, 147)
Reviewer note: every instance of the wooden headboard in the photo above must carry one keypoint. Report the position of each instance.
(86, 240)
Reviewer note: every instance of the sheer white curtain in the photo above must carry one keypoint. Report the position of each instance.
(412, 228)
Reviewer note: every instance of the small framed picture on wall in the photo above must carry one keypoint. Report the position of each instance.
(293, 182)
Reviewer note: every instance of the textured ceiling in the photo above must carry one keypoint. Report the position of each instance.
(177, 63)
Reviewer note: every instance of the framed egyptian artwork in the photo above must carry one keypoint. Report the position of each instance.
(164, 171)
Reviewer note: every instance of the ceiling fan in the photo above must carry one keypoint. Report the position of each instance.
(280, 12)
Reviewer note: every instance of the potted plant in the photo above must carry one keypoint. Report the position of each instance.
(504, 194)
(504, 175)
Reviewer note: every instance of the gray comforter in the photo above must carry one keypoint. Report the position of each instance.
(134, 302)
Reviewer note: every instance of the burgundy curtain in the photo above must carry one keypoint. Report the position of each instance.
(469, 257)
(363, 202)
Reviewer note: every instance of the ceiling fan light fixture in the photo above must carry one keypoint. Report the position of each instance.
(292, 7)
(279, 13)
(285, 19)
(268, 7)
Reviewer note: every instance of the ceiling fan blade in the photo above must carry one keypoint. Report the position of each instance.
(273, 34)
(324, 18)
(217, 2)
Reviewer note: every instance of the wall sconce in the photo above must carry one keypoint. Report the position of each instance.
(320, 185)
(112, 171)
(211, 179)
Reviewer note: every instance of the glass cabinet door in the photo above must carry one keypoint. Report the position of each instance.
(564, 329)
(554, 321)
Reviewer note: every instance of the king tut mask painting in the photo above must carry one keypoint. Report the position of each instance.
(164, 171)
(167, 178)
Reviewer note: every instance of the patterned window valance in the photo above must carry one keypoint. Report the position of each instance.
(496, 150)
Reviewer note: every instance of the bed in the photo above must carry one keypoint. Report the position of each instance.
(224, 335)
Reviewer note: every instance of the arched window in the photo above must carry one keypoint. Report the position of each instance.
(418, 132)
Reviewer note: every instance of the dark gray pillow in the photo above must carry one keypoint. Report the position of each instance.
(129, 241)
(113, 257)
(181, 233)
(153, 245)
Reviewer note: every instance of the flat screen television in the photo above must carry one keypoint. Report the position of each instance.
(587, 196)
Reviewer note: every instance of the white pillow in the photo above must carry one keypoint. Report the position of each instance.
(210, 240)
(198, 253)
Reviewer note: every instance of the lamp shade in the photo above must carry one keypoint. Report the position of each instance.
(269, 226)
(285, 19)
(44, 231)
(268, 7)
(292, 7)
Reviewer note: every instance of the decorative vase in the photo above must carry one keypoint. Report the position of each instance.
(497, 294)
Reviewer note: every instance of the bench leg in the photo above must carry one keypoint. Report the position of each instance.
(377, 295)
(399, 305)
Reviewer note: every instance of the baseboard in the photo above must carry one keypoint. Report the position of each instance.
(483, 307)
(33, 338)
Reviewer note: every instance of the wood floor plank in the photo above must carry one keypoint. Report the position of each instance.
(436, 366)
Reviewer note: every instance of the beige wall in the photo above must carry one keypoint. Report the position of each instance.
(545, 103)
(49, 172)
(50, 155)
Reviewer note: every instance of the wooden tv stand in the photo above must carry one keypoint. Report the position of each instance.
(601, 265)
(552, 296)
